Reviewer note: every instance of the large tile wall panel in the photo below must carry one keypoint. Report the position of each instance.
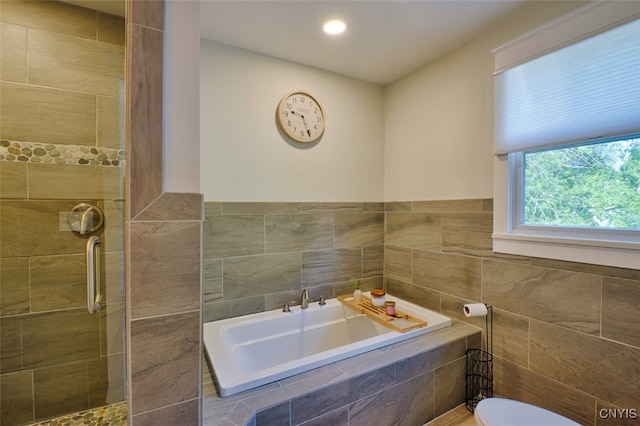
(59, 337)
(511, 336)
(285, 233)
(414, 230)
(14, 181)
(174, 206)
(467, 233)
(32, 113)
(164, 361)
(14, 286)
(13, 66)
(359, 229)
(65, 62)
(403, 404)
(331, 398)
(523, 384)
(111, 29)
(236, 235)
(457, 275)
(51, 16)
(74, 182)
(144, 100)
(16, 391)
(620, 303)
(147, 13)
(10, 345)
(165, 264)
(256, 275)
(450, 385)
(67, 274)
(598, 367)
(328, 266)
(186, 413)
(60, 388)
(108, 124)
(559, 297)
(373, 261)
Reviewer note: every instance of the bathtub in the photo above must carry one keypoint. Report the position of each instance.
(253, 350)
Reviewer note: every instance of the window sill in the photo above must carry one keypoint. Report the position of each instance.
(608, 253)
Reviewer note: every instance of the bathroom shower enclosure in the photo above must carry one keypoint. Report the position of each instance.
(61, 150)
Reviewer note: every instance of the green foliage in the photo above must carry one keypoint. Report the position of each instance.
(591, 185)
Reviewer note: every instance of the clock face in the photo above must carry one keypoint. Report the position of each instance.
(300, 117)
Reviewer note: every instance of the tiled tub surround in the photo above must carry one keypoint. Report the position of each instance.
(566, 335)
(407, 383)
(54, 356)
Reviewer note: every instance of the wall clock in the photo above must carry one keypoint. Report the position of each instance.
(300, 116)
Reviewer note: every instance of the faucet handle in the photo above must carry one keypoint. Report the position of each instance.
(287, 305)
(322, 302)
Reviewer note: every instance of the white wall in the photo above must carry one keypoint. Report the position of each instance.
(181, 91)
(427, 136)
(243, 156)
(439, 120)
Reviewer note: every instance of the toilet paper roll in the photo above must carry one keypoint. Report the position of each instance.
(475, 310)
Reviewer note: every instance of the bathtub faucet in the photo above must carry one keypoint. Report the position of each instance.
(304, 299)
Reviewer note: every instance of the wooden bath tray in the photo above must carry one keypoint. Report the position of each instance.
(400, 322)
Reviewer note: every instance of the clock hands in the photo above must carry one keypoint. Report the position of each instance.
(303, 122)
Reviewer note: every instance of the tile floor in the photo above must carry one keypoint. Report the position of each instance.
(459, 416)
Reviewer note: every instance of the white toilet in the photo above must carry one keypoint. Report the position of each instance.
(507, 412)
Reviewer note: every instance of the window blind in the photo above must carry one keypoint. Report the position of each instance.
(584, 90)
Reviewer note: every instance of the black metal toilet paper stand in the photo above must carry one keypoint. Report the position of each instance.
(480, 368)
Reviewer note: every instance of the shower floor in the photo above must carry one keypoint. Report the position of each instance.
(110, 415)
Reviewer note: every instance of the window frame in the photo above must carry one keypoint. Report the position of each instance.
(618, 248)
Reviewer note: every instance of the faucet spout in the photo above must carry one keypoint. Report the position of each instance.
(304, 299)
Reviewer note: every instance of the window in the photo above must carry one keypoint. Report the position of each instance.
(592, 186)
(567, 139)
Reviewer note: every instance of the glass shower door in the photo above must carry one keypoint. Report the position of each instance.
(61, 145)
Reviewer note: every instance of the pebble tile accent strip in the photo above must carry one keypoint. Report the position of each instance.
(36, 152)
(110, 415)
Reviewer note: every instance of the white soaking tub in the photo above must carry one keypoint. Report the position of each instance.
(253, 350)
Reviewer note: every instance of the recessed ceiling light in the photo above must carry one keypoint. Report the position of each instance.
(334, 26)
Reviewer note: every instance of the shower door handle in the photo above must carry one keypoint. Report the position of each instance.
(94, 296)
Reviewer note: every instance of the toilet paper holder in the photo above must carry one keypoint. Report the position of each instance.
(479, 361)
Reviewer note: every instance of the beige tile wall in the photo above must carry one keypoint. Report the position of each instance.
(53, 354)
(565, 334)
(269, 252)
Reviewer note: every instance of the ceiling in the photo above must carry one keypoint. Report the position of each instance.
(384, 40)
